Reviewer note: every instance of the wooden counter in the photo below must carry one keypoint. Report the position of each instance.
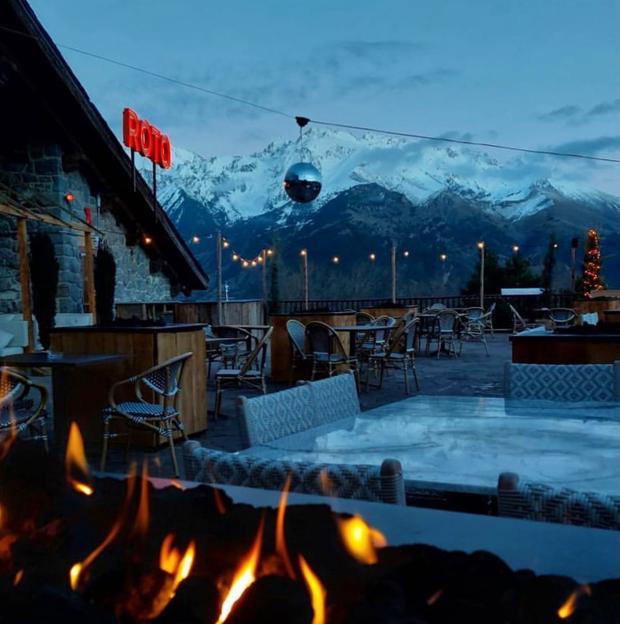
(565, 348)
(281, 358)
(144, 347)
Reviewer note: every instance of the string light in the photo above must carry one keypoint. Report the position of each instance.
(147, 240)
(235, 257)
(443, 257)
(555, 245)
(69, 197)
(195, 239)
(406, 254)
(335, 259)
(372, 257)
(516, 248)
(225, 244)
(270, 252)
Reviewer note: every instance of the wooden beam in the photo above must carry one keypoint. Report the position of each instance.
(89, 275)
(43, 217)
(24, 278)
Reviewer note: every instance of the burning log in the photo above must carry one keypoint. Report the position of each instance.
(127, 552)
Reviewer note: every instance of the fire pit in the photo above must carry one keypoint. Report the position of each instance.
(74, 548)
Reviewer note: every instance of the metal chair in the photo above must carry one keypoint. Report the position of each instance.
(518, 324)
(562, 317)
(251, 374)
(327, 351)
(472, 330)
(161, 417)
(236, 351)
(537, 501)
(445, 332)
(488, 316)
(18, 413)
(297, 340)
(399, 353)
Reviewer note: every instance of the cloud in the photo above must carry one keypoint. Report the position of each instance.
(376, 49)
(589, 147)
(561, 114)
(603, 108)
(424, 79)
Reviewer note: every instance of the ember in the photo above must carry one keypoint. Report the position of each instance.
(131, 553)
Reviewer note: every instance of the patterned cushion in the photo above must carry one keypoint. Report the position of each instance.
(334, 398)
(536, 501)
(340, 480)
(276, 415)
(560, 382)
(145, 410)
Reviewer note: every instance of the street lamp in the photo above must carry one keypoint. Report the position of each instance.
(516, 248)
(443, 257)
(304, 257)
(482, 254)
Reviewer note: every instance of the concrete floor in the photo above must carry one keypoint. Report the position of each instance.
(472, 374)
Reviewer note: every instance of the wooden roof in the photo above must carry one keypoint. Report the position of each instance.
(42, 68)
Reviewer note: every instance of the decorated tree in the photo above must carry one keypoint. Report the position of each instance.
(592, 280)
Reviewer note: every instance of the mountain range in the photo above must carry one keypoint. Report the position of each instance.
(430, 199)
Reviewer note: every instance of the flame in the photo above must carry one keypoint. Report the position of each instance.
(569, 606)
(280, 538)
(244, 576)
(18, 578)
(7, 540)
(175, 483)
(317, 591)
(360, 539)
(75, 461)
(176, 564)
(433, 598)
(327, 485)
(219, 501)
(78, 569)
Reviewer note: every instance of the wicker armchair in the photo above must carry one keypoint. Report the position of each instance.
(161, 417)
(488, 318)
(536, 501)
(473, 330)
(363, 318)
(562, 317)
(18, 413)
(399, 353)
(251, 374)
(297, 340)
(327, 351)
(445, 332)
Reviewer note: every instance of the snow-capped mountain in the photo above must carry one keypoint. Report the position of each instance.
(427, 195)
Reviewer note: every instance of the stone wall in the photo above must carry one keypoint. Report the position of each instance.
(37, 171)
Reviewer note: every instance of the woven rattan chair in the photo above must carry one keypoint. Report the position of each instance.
(445, 332)
(297, 340)
(488, 318)
(18, 412)
(473, 330)
(327, 351)
(399, 353)
(562, 317)
(537, 501)
(363, 318)
(161, 417)
(251, 374)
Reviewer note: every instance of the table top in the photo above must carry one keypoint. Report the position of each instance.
(362, 328)
(263, 327)
(27, 360)
(588, 555)
(129, 329)
(469, 441)
(217, 341)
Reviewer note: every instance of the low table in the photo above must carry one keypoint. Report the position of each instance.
(62, 364)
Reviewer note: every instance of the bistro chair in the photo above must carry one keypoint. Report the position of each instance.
(488, 319)
(18, 412)
(327, 351)
(251, 374)
(238, 350)
(537, 501)
(363, 318)
(472, 330)
(518, 324)
(562, 317)
(162, 417)
(399, 353)
(297, 340)
(445, 332)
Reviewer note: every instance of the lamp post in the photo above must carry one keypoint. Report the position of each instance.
(393, 271)
(482, 254)
(218, 251)
(304, 259)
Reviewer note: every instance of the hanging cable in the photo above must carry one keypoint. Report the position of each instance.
(463, 141)
(306, 120)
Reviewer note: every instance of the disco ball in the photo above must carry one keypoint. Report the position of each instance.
(302, 182)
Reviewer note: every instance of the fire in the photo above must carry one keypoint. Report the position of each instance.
(360, 539)
(175, 483)
(141, 525)
(244, 576)
(77, 571)
(18, 577)
(176, 564)
(568, 608)
(75, 462)
(317, 591)
(327, 485)
(280, 537)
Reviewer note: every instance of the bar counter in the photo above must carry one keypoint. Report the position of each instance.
(144, 346)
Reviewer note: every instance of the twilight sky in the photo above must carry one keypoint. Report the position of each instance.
(534, 73)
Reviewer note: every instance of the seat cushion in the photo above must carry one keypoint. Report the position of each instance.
(145, 410)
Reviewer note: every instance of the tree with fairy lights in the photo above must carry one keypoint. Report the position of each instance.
(592, 280)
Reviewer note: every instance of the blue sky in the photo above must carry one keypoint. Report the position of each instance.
(535, 73)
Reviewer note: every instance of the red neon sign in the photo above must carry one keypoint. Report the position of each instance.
(146, 139)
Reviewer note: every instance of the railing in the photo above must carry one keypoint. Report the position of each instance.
(527, 306)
